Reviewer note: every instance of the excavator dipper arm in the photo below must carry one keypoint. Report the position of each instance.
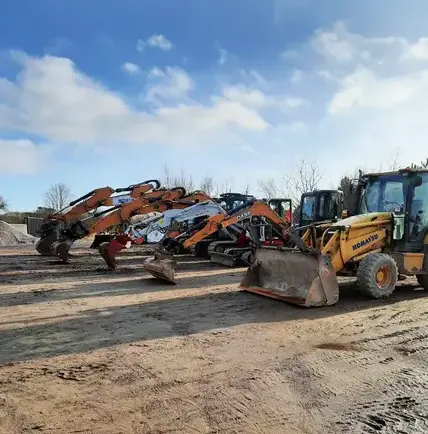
(109, 250)
(84, 204)
(152, 201)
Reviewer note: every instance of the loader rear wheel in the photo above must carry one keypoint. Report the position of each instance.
(377, 275)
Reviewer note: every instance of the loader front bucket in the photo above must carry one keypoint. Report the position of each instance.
(161, 267)
(44, 245)
(292, 276)
(61, 248)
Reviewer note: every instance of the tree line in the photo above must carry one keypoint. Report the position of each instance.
(306, 177)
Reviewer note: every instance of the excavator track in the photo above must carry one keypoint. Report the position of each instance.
(225, 253)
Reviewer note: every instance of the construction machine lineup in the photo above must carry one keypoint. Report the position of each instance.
(383, 238)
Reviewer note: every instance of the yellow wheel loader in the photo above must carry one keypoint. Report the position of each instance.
(386, 238)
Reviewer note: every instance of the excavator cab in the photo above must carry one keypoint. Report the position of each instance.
(230, 201)
(320, 206)
(282, 207)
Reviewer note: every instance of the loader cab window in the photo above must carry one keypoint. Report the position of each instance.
(384, 194)
(419, 209)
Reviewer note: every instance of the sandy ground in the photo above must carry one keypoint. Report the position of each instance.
(87, 351)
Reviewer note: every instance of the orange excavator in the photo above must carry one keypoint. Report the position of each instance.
(105, 196)
(162, 266)
(108, 250)
(156, 201)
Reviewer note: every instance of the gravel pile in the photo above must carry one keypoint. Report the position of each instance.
(9, 236)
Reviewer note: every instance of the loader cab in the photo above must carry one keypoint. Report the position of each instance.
(282, 207)
(404, 194)
(320, 206)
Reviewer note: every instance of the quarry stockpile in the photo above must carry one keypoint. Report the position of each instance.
(10, 236)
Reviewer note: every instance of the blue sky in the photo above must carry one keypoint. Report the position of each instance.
(108, 92)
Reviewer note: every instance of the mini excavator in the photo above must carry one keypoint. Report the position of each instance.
(385, 239)
(117, 216)
(194, 206)
(162, 266)
(105, 196)
(261, 220)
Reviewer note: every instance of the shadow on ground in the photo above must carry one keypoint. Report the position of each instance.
(101, 328)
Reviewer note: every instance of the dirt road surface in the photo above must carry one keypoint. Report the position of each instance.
(83, 350)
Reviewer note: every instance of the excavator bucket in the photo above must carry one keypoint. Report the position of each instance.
(291, 276)
(223, 259)
(99, 239)
(162, 267)
(61, 248)
(44, 245)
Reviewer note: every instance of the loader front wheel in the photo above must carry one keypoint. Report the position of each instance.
(377, 275)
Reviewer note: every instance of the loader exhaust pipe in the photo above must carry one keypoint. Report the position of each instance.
(289, 275)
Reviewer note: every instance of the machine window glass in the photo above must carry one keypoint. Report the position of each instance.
(308, 209)
(384, 195)
(328, 206)
(419, 210)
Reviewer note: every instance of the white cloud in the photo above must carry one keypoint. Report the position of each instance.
(131, 68)
(54, 100)
(172, 84)
(293, 102)
(419, 50)
(364, 89)
(22, 157)
(141, 45)
(246, 96)
(222, 56)
(155, 41)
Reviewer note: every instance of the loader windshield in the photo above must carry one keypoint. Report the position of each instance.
(384, 194)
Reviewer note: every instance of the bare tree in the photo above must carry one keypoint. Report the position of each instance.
(207, 185)
(58, 196)
(305, 179)
(225, 186)
(181, 180)
(3, 204)
(422, 165)
(269, 188)
(247, 188)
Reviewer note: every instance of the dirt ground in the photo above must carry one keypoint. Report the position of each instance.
(83, 350)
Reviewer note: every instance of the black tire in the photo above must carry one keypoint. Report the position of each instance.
(423, 280)
(367, 275)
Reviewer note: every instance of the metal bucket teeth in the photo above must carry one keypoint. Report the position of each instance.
(293, 277)
(107, 255)
(62, 248)
(44, 245)
(162, 269)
